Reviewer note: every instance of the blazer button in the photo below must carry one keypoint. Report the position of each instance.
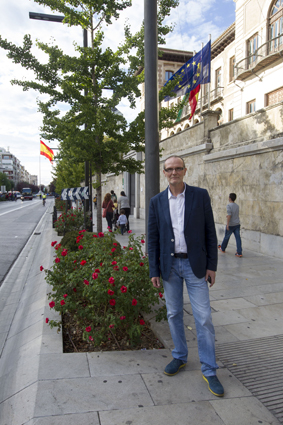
(172, 254)
(172, 240)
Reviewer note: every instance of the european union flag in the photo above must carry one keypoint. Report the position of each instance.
(196, 71)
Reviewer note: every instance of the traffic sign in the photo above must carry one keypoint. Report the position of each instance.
(75, 193)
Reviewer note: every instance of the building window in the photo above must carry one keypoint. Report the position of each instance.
(231, 68)
(231, 114)
(251, 106)
(217, 81)
(276, 26)
(274, 97)
(252, 46)
(168, 74)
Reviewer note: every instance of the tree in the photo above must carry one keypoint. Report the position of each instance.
(4, 181)
(68, 173)
(79, 81)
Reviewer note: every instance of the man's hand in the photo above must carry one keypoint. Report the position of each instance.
(212, 275)
(156, 282)
(227, 227)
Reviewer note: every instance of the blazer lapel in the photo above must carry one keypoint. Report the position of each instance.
(165, 207)
(189, 196)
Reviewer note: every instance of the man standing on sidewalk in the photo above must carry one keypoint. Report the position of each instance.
(182, 245)
(233, 226)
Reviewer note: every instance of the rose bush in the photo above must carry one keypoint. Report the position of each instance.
(104, 286)
(73, 219)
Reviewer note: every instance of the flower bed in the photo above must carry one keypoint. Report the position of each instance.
(104, 287)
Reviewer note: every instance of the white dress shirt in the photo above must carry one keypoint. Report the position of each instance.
(177, 214)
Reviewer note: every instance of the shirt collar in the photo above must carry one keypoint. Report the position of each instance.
(172, 196)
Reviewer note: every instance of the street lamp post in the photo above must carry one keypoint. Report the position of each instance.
(151, 105)
(60, 18)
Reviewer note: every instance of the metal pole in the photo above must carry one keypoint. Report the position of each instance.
(86, 205)
(152, 173)
(208, 105)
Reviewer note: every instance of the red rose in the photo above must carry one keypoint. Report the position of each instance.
(122, 317)
(94, 236)
(62, 302)
(142, 241)
(134, 302)
(83, 262)
(111, 280)
(113, 249)
(75, 261)
(97, 271)
(160, 295)
(129, 231)
(86, 282)
(114, 263)
(142, 322)
(88, 328)
(130, 249)
(123, 289)
(115, 244)
(111, 326)
(52, 304)
(141, 264)
(116, 268)
(100, 235)
(101, 264)
(125, 269)
(57, 260)
(112, 302)
(46, 320)
(90, 338)
(41, 268)
(110, 292)
(80, 247)
(64, 252)
(94, 276)
(75, 289)
(53, 243)
(65, 295)
(124, 247)
(109, 230)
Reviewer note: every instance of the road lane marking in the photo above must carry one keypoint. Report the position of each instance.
(8, 212)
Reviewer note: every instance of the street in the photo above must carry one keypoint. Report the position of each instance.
(17, 222)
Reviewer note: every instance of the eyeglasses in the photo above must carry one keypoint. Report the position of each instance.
(170, 170)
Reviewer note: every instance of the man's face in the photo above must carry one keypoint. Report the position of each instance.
(174, 171)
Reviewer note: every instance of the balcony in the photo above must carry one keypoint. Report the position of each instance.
(267, 53)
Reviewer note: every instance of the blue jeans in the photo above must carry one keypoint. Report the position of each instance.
(228, 233)
(199, 296)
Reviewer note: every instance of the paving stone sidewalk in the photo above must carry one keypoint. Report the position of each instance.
(41, 385)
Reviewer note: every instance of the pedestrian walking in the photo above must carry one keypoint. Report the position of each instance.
(107, 206)
(122, 221)
(182, 246)
(123, 203)
(232, 226)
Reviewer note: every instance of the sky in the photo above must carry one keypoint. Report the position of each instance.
(20, 121)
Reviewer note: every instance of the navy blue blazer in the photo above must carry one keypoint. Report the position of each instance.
(199, 229)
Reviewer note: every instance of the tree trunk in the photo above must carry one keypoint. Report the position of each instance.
(99, 202)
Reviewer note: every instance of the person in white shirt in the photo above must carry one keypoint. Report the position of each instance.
(182, 246)
(122, 221)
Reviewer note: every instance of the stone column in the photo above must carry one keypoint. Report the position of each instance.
(210, 119)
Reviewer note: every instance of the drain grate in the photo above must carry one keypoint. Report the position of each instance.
(258, 364)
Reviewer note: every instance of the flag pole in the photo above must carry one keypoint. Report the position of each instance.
(208, 106)
(201, 85)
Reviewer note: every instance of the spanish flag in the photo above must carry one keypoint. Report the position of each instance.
(46, 151)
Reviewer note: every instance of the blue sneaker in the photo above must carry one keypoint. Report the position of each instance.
(173, 367)
(214, 385)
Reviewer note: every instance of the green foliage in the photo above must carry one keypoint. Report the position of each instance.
(60, 204)
(4, 181)
(103, 285)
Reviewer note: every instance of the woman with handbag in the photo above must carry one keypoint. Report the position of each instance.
(107, 212)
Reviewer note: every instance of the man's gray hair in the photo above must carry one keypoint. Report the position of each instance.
(174, 156)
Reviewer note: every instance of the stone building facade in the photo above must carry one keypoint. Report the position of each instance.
(236, 145)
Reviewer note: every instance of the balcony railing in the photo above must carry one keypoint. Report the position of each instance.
(267, 53)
